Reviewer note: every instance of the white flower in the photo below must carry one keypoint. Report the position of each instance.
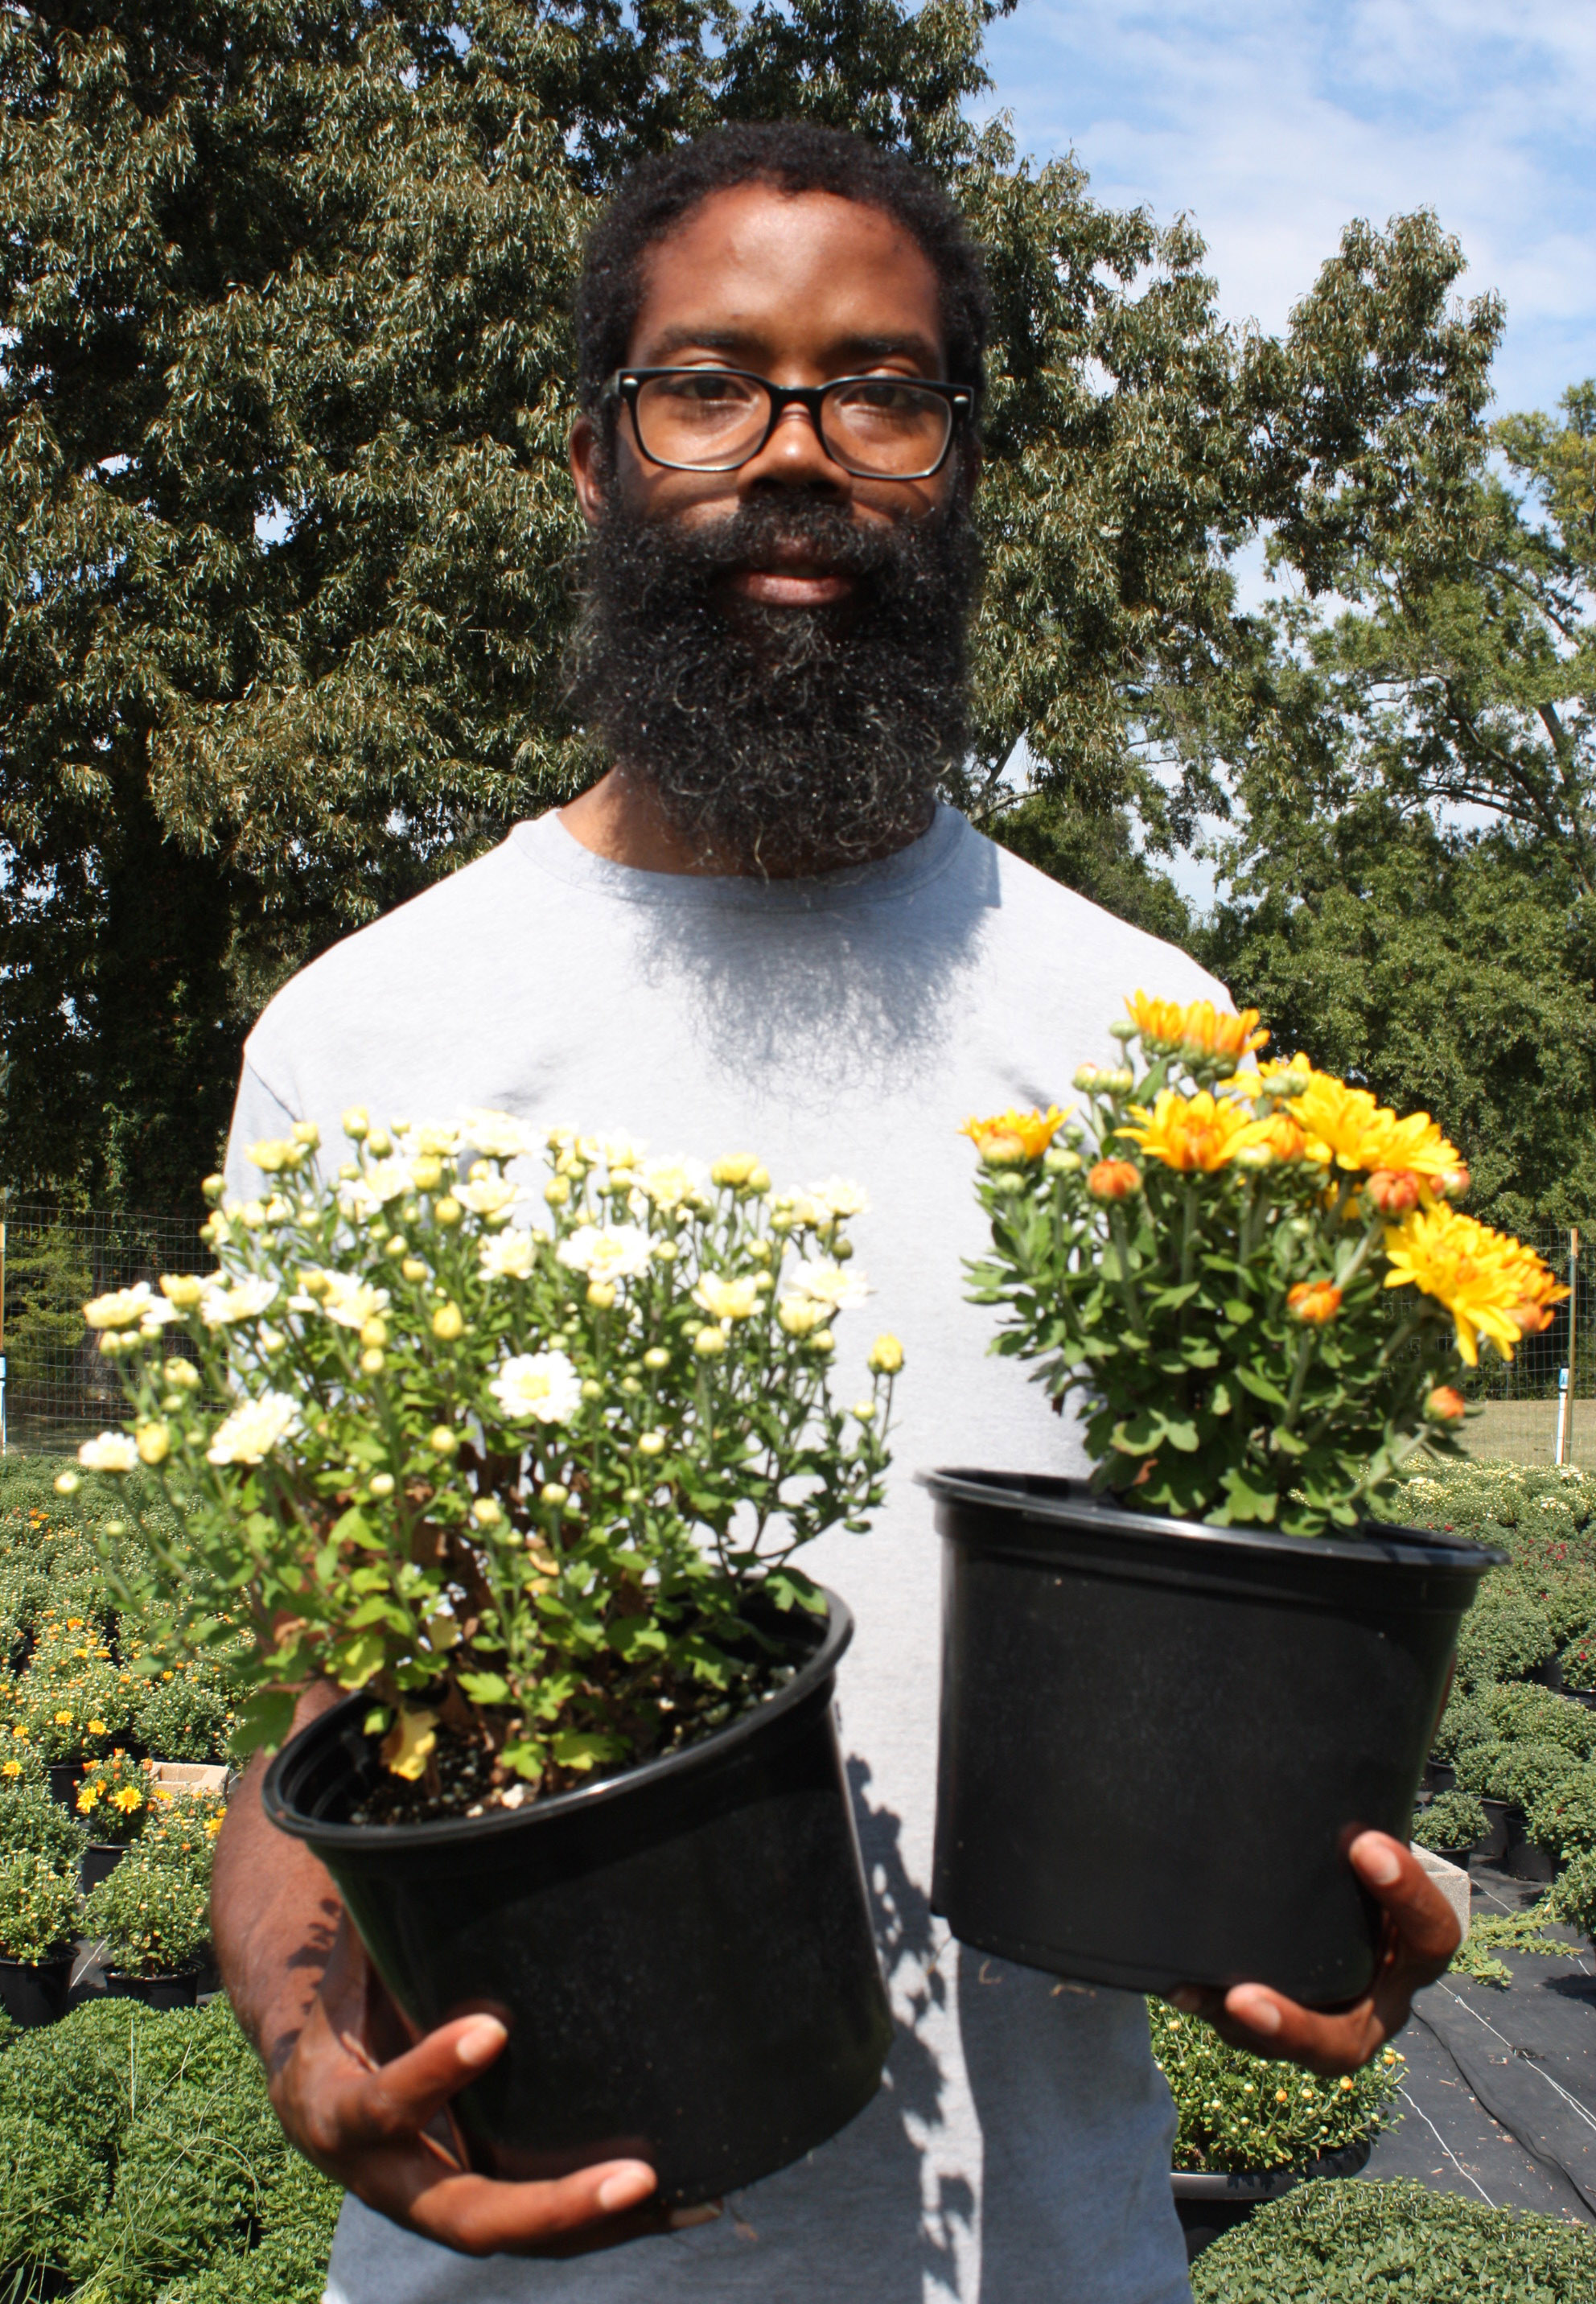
(113, 1452)
(496, 1135)
(843, 1198)
(728, 1300)
(357, 1200)
(606, 1251)
(389, 1179)
(160, 1314)
(621, 1150)
(252, 1431)
(669, 1183)
(352, 1302)
(123, 1307)
(435, 1141)
(245, 1299)
(508, 1255)
(489, 1198)
(543, 1385)
(837, 1286)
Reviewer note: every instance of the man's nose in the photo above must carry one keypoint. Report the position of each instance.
(795, 456)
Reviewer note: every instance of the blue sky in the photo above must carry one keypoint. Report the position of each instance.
(1271, 125)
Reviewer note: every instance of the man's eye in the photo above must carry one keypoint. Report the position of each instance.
(706, 387)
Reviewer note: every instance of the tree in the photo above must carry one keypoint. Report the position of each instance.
(285, 584)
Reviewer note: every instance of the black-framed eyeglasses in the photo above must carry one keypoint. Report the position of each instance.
(714, 419)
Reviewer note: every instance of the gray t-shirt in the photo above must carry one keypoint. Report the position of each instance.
(1018, 2152)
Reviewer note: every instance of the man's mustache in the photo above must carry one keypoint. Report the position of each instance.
(762, 528)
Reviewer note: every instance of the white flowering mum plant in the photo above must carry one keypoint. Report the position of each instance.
(1254, 1278)
(529, 1466)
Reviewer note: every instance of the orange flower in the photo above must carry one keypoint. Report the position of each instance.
(1346, 1129)
(1193, 1131)
(1314, 1302)
(1198, 1031)
(1395, 1192)
(1445, 1404)
(1011, 1138)
(1114, 1179)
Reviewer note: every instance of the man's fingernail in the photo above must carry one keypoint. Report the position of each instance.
(684, 2219)
(480, 2041)
(625, 2187)
(1253, 2009)
(1378, 1861)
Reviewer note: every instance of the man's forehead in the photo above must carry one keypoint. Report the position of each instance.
(754, 262)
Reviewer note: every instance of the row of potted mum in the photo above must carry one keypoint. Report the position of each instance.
(533, 1493)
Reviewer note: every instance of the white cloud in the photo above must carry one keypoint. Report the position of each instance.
(1271, 125)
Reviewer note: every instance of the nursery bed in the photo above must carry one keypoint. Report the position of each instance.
(1500, 2086)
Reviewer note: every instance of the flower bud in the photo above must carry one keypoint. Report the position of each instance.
(154, 1443)
(374, 1331)
(413, 1268)
(758, 1179)
(67, 1484)
(887, 1355)
(735, 1169)
(552, 1492)
(1394, 1191)
(822, 1340)
(447, 1212)
(1059, 1161)
(487, 1513)
(1120, 1081)
(306, 1132)
(382, 1484)
(448, 1324)
(426, 1174)
(183, 1288)
(182, 1375)
(1314, 1302)
(1455, 1184)
(443, 1442)
(356, 1124)
(380, 1143)
(708, 1342)
(1087, 1077)
(601, 1295)
(1446, 1405)
(656, 1357)
(1114, 1179)
(213, 1188)
(864, 1411)
(556, 1191)
(1123, 1028)
(664, 1251)
(650, 1444)
(371, 1359)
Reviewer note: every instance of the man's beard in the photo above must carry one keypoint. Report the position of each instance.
(780, 739)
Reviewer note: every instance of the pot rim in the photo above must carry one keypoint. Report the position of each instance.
(447, 1831)
(1270, 2183)
(1400, 1547)
(157, 1975)
(51, 1959)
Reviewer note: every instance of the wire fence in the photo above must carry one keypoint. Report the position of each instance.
(56, 1389)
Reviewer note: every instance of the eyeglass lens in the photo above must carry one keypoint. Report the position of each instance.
(876, 427)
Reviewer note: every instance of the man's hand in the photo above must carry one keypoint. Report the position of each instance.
(376, 2128)
(359, 2097)
(1420, 1935)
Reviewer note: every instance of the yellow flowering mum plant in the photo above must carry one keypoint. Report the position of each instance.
(1255, 1280)
(527, 1461)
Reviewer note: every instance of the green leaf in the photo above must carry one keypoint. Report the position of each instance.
(484, 1688)
(263, 1719)
(1261, 1387)
(581, 1750)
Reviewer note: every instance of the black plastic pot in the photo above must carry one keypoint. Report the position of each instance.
(158, 1991)
(1585, 1696)
(1523, 1858)
(34, 1991)
(65, 1776)
(1209, 2205)
(101, 1859)
(682, 1953)
(1458, 1856)
(1492, 1843)
(1158, 1738)
(1439, 1776)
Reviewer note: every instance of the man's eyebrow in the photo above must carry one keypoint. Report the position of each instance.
(738, 345)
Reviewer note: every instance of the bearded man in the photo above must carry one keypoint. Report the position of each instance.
(762, 929)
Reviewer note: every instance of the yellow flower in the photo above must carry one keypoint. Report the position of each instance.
(1190, 1132)
(885, 1355)
(1490, 1284)
(63, 1720)
(1010, 1138)
(213, 1825)
(10, 1767)
(97, 1727)
(128, 1798)
(1197, 1031)
(727, 1298)
(1346, 1129)
(86, 1796)
(408, 1745)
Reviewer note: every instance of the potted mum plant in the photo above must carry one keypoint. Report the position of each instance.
(151, 1918)
(116, 1800)
(527, 1472)
(1173, 1692)
(39, 1917)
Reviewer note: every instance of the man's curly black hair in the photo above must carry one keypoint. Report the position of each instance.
(797, 156)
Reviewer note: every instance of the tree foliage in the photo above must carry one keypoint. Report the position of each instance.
(287, 569)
